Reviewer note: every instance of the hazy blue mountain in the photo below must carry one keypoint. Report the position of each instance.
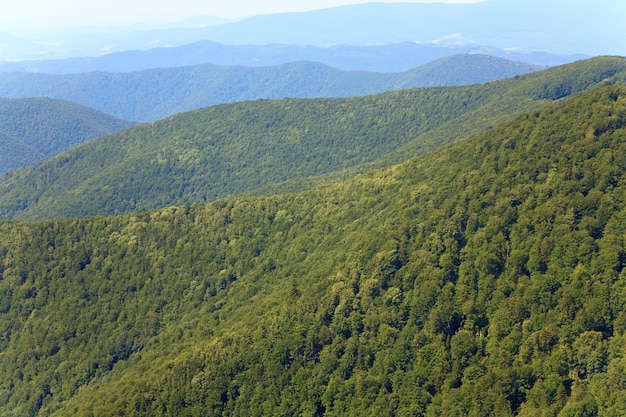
(157, 93)
(379, 58)
(591, 27)
(97, 41)
(12, 46)
(34, 129)
(583, 26)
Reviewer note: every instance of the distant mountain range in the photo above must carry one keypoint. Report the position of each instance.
(157, 93)
(246, 147)
(398, 57)
(584, 26)
(34, 129)
(563, 28)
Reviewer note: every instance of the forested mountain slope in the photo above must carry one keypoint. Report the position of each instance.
(157, 93)
(485, 278)
(239, 148)
(34, 129)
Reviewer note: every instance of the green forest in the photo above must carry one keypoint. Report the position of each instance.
(483, 278)
(33, 129)
(267, 146)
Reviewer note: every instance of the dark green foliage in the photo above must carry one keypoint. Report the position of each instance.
(483, 279)
(157, 93)
(264, 146)
(34, 129)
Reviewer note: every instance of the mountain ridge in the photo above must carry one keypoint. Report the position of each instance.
(158, 93)
(376, 58)
(522, 24)
(235, 149)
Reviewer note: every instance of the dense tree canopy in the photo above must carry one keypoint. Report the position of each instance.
(33, 129)
(263, 146)
(485, 278)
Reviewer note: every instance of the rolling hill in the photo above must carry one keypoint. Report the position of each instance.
(34, 129)
(157, 93)
(264, 146)
(485, 278)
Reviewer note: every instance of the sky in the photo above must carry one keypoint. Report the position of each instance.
(35, 15)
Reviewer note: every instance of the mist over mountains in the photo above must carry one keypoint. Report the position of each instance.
(529, 25)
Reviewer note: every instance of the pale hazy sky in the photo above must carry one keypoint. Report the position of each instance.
(16, 15)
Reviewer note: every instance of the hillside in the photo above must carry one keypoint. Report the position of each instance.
(34, 129)
(264, 146)
(157, 93)
(398, 57)
(486, 278)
